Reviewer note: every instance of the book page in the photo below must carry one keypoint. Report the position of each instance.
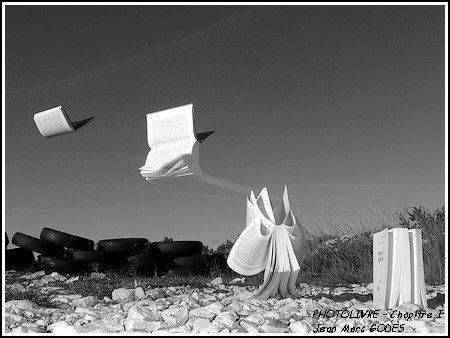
(406, 277)
(170, 125)
(380, 268)
(418, 293)
(160, 156)
(52, 122)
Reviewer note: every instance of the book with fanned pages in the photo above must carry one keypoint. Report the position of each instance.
(173, 144)
(55, 121)
(398, 271)
(272, 241)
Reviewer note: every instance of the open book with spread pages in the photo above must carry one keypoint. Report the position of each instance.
(398, 274)
(173, 143)
(174, 150)
(273, 241)
(55, 121)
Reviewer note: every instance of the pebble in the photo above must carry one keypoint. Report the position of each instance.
(176, 316)
(98, 275)
(71, 280)
(184, 309)
(299, 327)
(88, 301)
(20, 305)
(123, 295)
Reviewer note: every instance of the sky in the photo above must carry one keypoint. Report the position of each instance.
(343, 104)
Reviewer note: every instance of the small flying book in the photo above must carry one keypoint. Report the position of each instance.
(398, 273)
(273, 241)
(55, 121)
(173, 144)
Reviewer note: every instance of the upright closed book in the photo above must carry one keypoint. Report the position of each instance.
(398, 275)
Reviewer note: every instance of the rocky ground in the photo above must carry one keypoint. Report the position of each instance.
(215, 308)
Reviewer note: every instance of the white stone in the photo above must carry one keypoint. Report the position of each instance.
(98, 275)
(61, 328)
(20, 305)
(238, 281)
(139, 293)
(227, 320)
(123, 295)
(299, 327)
(209, 311)
(35, 275)
(267, 328)
(216, 281)
(58, 277)
(16, 287)
(175, 316)
(143, 313)
(71, 280)
(256, 319)
(248, 327)
(86, 302)
(28, 328)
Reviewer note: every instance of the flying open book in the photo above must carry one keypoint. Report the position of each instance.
(398, 274)
(55, 121)
(274, 241)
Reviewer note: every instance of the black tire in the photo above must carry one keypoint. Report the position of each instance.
(198, 261)
(18, 259)
(189, 272)
(122, 246)
(51, 264)
(217, 262)
(87, 256)
(37, 245)
(6, 239)
(179, 248)
(67, 240)
(143, 264)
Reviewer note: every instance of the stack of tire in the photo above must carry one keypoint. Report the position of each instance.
(62, 252)
(55, 250)
(17, 258)
(185, 258)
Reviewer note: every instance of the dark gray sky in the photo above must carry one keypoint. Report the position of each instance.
(344, 104)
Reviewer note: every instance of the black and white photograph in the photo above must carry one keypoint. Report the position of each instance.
(254, 168)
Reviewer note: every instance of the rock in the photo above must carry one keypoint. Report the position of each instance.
(143, 313)
(61, 328)
(123, 295)
(209, 311)
(256, 319)
(203, 325)
(20, 305)
(98, 275)
(248, 327)
(227, 320)
(56, 276)
(175, 316)
(410, 307)
(12, 318)
(84, 302)
(299, 327)
(132, 325)
(71, 280)
(27, 328)
(16, 287)
(35, 275)
(267, 328)
(238, 281)
(139, 293)
(216, 281)
(271, 315)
